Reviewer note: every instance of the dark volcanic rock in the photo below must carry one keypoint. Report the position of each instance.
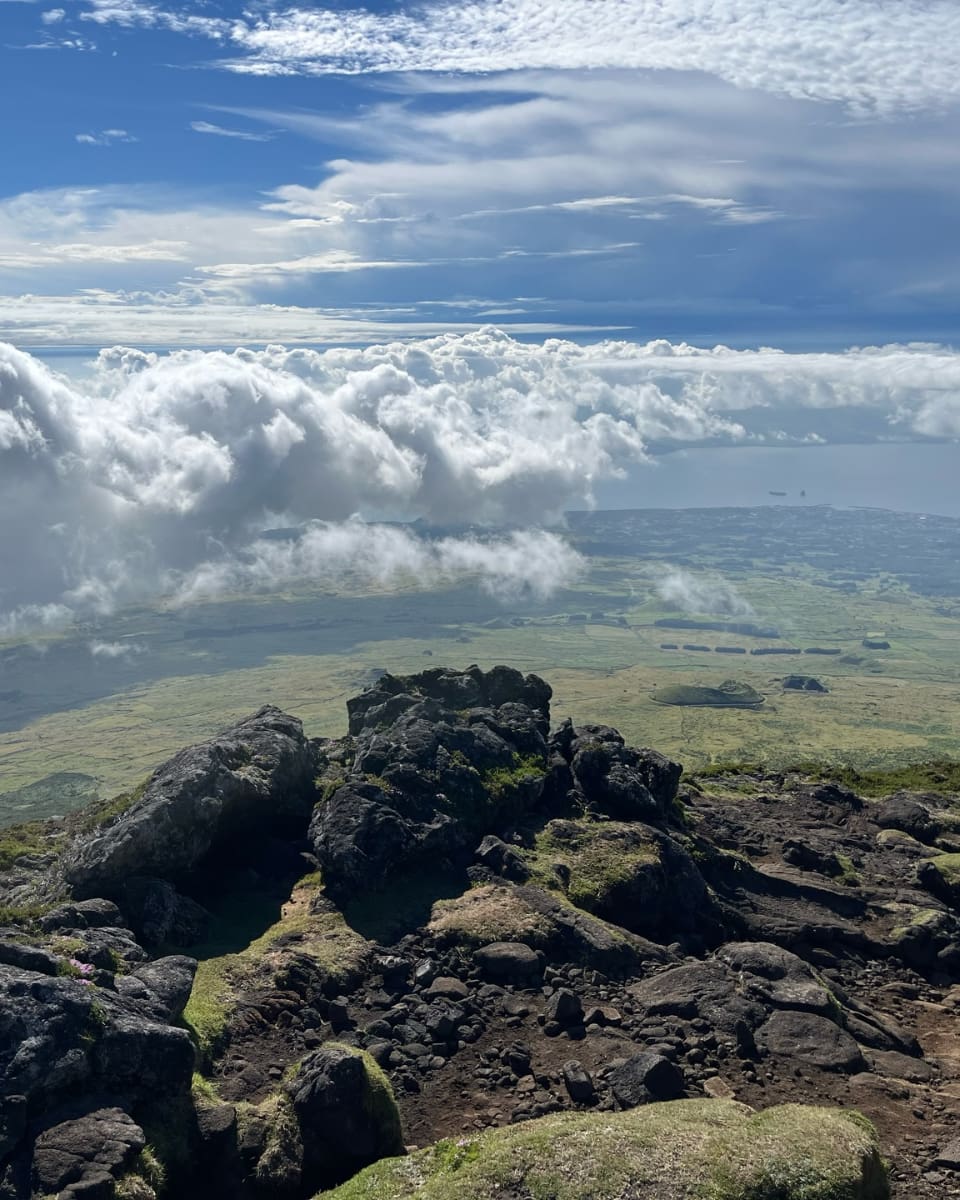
(644, 1078)
(909, 816)
(247, 780)
(62, 1037)
(806, 1038)
(442, 759)
(347, 1117)
(622, 781)
(509, 961)
(72, 1158)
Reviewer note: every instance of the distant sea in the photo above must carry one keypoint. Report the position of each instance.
(902, 476)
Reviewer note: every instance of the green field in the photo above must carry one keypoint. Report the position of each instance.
(596, 644)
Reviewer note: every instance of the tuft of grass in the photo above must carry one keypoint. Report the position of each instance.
(32, 837)
(489, 913)
(105, 811)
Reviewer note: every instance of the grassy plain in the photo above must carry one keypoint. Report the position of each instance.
(195, 671)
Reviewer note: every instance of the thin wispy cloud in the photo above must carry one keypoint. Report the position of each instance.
(106, 137)
(239, 134)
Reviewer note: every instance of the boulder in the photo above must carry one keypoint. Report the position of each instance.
(346, 1114)
(632, 874)
(166, 984)
(70, 1158)
(511, 961)
(645, 1078)
(82, 914)
(902, 812)
(60, 1037)
(253, 777)
(441, 760)
(810, 1040)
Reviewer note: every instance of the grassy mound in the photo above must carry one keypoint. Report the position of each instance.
(486, 914)
(729, 694)
(710, 1149)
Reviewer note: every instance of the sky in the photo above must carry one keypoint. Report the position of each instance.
(753, 172)
(473, 263)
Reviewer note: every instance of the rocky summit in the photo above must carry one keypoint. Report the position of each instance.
(463, 952)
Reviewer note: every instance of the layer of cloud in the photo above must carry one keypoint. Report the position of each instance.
(703, 594)
(866, 55)
(162, 472)
(523, 564)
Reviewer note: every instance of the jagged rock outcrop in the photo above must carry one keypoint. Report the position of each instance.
(441, 759)
(249, 780)
(489, 892)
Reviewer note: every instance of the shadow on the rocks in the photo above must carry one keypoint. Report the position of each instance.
(404, 905)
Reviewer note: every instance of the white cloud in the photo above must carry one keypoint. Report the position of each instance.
(219, 131)
(106, 137)
(114, 650)
(85, 252)
(53, 16)
(332, 262)
(529, 563)
(865, 55)
(160, 473)
(704, 593)
(186, 317)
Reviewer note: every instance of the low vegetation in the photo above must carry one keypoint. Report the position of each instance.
(712, 1149)
(729, 694)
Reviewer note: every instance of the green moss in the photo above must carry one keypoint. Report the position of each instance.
(948, 866)
(30, 838)
(204, 1090)
(849, 875)
(208, 1010)
(106, 811)
(501, 782)
(489, 913)
(379, 1102)
(590, 860)
(326, 787)
(26, 915)
(702, 1149)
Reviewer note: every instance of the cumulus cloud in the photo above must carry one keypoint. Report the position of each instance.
(704, 594)
(162, 473)
(53, 16)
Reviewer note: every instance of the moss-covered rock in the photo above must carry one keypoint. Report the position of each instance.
(626, 872)
(941, 877)
(345, 1113)
(708, 1149)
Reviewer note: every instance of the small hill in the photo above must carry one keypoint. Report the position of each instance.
(729, 694)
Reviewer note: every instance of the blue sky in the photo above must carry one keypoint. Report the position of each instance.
(751, 172)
